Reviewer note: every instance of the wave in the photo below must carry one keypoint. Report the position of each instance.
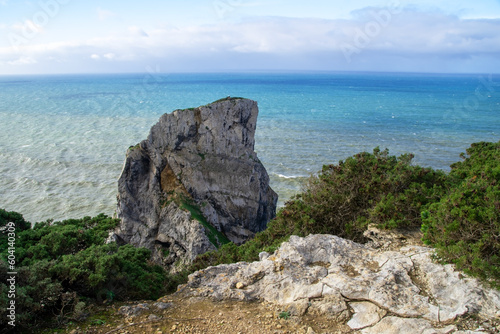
(289, 177)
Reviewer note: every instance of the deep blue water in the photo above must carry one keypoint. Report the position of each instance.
(63, 138)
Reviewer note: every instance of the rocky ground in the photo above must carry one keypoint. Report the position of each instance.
(318, 284)
(176, 314)
(205, 316)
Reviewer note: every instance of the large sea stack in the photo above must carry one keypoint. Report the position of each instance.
(195, 183)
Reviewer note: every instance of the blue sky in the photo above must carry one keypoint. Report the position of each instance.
(111, 36)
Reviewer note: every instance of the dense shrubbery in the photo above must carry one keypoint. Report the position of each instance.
(63, 264)
(464, 225)
(460, 211)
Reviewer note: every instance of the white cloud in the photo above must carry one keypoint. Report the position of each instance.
(408, 35)
(110, 56)
(22, 61)
(104, 14)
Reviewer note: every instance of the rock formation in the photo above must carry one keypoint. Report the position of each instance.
(372, 290)
(195, 183)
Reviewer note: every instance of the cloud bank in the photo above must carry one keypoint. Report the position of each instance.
(374, 39)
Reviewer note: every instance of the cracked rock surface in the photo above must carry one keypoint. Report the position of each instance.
(373, 290)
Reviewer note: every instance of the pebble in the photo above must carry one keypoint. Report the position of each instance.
(240, 285)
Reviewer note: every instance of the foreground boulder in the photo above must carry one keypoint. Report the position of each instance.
(372, 290)
(195, 183)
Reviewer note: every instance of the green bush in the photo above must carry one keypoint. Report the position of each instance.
(60, 264)
(102, 269)
(464, 226)
(11, 217)
(50, 240)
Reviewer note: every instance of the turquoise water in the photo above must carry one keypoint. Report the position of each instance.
(63, 138)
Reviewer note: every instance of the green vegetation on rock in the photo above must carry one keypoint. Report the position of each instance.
(229, 98)
(216, 238)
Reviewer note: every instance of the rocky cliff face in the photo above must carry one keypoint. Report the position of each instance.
(195, 183)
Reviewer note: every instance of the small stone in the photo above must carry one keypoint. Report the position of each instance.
(162, 306)
(153, 317)
(129, 311)
(310, 330)
(174, 327)
(240, 285)
(365, 314)
(278, 326)
(263, 256)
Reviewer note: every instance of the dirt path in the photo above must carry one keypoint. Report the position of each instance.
(205, 316)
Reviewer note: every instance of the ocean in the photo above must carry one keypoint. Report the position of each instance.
(63, 138)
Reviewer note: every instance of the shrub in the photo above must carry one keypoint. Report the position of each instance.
(101, 270)
(60, 263)
(11, 217)
(50, 240)
(464, 226)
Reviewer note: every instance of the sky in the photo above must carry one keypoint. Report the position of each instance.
(117, 36)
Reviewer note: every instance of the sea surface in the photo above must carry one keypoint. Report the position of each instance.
(63, 138)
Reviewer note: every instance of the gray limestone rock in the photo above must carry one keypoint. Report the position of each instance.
(130, 311)
(162, 305)
(365, 314)
(395, 325)
(401, 291)
(193, 182)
